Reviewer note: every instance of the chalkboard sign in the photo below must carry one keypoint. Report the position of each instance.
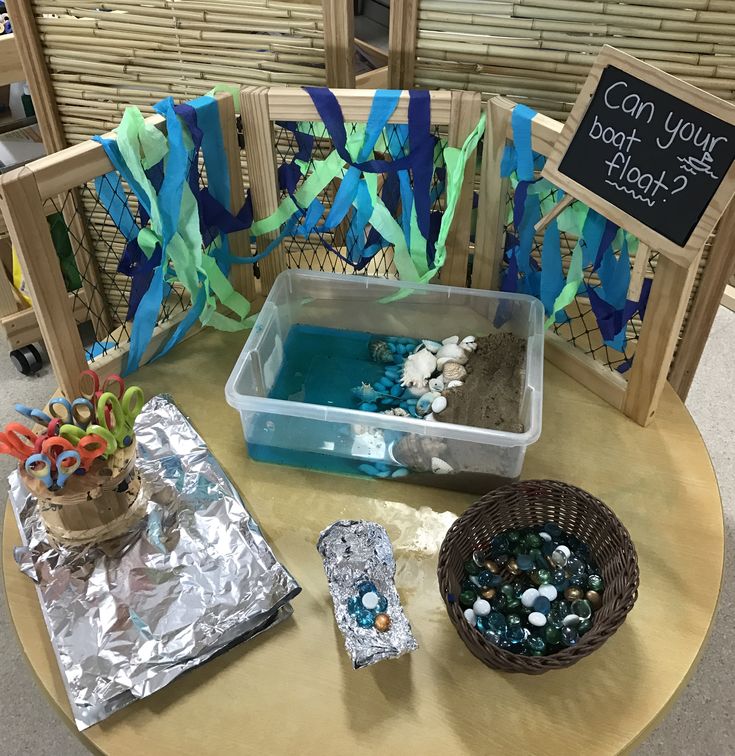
(654, 148)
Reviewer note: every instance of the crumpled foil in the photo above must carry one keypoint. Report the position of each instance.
(193, 577)
(355, 551)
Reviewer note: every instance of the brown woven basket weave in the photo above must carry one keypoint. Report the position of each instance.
(522, 505)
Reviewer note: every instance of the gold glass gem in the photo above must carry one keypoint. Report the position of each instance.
(573, 594)
(381, 622)
(492, 567)
(489, 593)
(513, 567)
(594, 598)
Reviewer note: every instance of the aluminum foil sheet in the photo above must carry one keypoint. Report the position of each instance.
(191, 578)
(355, 552)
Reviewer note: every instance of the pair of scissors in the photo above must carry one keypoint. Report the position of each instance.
(19, 441)
(92, 389)
(65, 462)
(89, 447)
(33, 414)
(76, 435)
(123, 413)
(80, 412)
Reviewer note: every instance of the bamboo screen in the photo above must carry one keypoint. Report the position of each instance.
(103, 56)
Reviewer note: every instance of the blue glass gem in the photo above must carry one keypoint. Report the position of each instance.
(382, 604)
(516, 634)
(396, 391)
(525, 562)
(499, 545)
(513, 620)
(365, 618)
(487, 580)
(535, 644)
(496, 622)
(505, 644)
(354, 605)
(542, 604)
(482, 624)
(493, 637)
(569, 636)
(553, 530)
(366, 587)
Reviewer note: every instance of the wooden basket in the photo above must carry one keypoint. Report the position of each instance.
(94, 507)
(527, 504)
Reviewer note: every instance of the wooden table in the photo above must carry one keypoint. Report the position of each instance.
(293, 689)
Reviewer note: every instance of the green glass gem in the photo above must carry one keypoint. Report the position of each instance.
(471, 568)
(513, 620)
(552, 635)
(533, 541)
(535, 643)
(535, 578)
(513, 536)
(507, 591)
(512, 604)
(582, 608)
(594, 583)
(544, 576)
(467, 598)
(584, 626)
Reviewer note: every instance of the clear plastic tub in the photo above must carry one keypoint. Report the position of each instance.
(350, 441)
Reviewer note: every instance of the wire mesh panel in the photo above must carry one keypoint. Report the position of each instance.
(329, 250)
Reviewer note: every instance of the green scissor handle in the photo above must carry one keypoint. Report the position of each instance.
(132, 403)
(75, 434)
(122, 425)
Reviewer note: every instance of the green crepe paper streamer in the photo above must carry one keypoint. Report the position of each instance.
(231, 89)
(569, 292)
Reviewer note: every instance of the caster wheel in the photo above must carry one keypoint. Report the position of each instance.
(27, 360)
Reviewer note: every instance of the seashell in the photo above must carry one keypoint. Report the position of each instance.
(468, 340)
(440, 467)
(416, 391)
(437, 384)
(468, 348)
(454, 384)
(442, 361)
(423, 405)
(453, 371)
(380, 351)
(397, 411)
(418, 368)
(366, 393)
(432, 346)
(453, 352)
(430, 417)
(439, 404)
(451, 340)
(416, 452)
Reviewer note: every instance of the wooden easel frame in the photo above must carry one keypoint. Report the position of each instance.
(23, 193)
(670, 294)
(703, 101)
(260, 106)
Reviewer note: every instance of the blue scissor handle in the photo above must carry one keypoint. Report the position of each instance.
(33, 414)
(39, 466)
(78, 418)
(64, 472)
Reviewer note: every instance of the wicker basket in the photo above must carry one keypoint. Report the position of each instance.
(529, 503)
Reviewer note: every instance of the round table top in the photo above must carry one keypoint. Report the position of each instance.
(293, 688)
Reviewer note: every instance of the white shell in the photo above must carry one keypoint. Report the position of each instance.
(439, 404)
(370, 600)
(468, 348)
(548, 591)
(528, 597)
(442, 361)
(432, 346)
(468, 340)
(470, 616)
(481, 607)
(537, 619)
(453, 371)
(454, 384)
(437, 384)
(397, 411)
(451, 340)
(440, 467)
(418, 368)
(453, 351)
(424, 404)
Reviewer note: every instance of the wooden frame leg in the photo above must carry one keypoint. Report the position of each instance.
(667, 305)
(718, 271)
(466, 107)
(339, 43)
(402, 43)
(263, 174)
(24, 212)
